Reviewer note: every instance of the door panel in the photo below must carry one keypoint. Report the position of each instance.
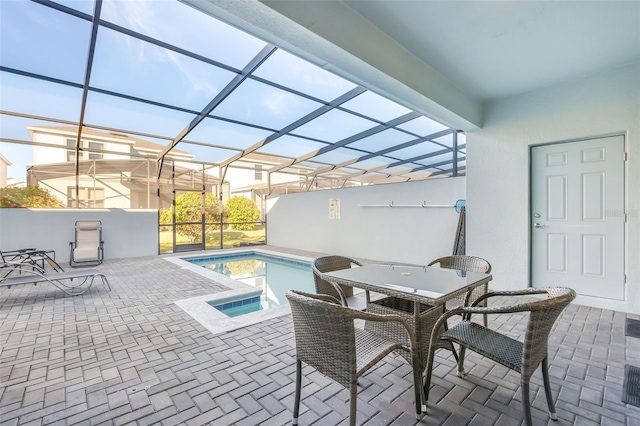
(593, 259)
(557, 253)
(575, 243)
(593, 195)
(557, 198)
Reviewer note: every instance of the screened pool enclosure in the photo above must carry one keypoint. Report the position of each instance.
(114, 104)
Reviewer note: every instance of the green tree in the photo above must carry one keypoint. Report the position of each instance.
(30, 196)
(188, 209)
(241, 209)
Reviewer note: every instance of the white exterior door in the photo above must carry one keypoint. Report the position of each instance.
(577, 217)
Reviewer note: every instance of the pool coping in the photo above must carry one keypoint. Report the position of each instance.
(211, 318)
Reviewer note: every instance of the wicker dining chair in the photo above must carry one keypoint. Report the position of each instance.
(513, 354)
(343, 293)
(468, 264)
(327, 340)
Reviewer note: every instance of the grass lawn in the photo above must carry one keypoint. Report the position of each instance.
(232, 238)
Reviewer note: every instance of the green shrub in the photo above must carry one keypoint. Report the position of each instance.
(188, 210)
(30, 196)
(241, 209)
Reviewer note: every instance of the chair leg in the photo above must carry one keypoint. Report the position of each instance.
(105, 282)
(547, 389)
(485, 304)
(427, 374)
(296, 403)
(526, 403)
(450, 346)
(454, 352)
(354, 402)
(461, 372)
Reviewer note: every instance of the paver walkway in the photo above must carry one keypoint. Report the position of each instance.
(133, 357)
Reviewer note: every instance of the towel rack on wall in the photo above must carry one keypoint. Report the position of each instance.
(457, 206)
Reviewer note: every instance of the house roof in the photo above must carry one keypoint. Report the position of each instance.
(137, 143)
(4, 160)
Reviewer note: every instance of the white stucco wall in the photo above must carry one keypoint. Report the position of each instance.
(126, 233)
(48, 155)
(498, 169)
(411, 235)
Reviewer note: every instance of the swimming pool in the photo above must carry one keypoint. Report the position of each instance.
(270, 275)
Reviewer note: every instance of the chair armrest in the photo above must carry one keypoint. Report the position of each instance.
(522, 292)
(508, 309)
(466, 311)
(323, 297)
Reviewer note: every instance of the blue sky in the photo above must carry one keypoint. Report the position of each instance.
(42, 40)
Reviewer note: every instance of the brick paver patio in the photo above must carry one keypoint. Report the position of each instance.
(132, 356)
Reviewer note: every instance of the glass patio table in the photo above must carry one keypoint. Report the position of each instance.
(421, 284)
(417, 293)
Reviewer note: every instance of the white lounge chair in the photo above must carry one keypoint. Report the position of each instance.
(73, 283)
(87, 249)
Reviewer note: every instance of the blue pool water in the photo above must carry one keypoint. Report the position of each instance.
(271, 275)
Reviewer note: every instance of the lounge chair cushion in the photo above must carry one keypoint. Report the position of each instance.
(86, 253)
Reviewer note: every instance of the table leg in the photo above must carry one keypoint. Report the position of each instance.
(418, 331)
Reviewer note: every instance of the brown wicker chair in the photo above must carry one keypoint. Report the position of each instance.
(342, 293)
(513, 354)
(327, 340)
(469, 264)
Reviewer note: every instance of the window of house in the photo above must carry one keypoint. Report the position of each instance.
(258, 172)
(89, 197)
(71, 151)
(83, 155)
(95, 155)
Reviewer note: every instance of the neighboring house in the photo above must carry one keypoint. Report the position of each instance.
(116, 170)
(4, 163)
(249, 178)
(119, 171)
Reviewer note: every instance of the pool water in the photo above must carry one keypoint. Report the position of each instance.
(271, 274)
(234, 308)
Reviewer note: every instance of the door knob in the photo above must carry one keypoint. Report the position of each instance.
(538, 225)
